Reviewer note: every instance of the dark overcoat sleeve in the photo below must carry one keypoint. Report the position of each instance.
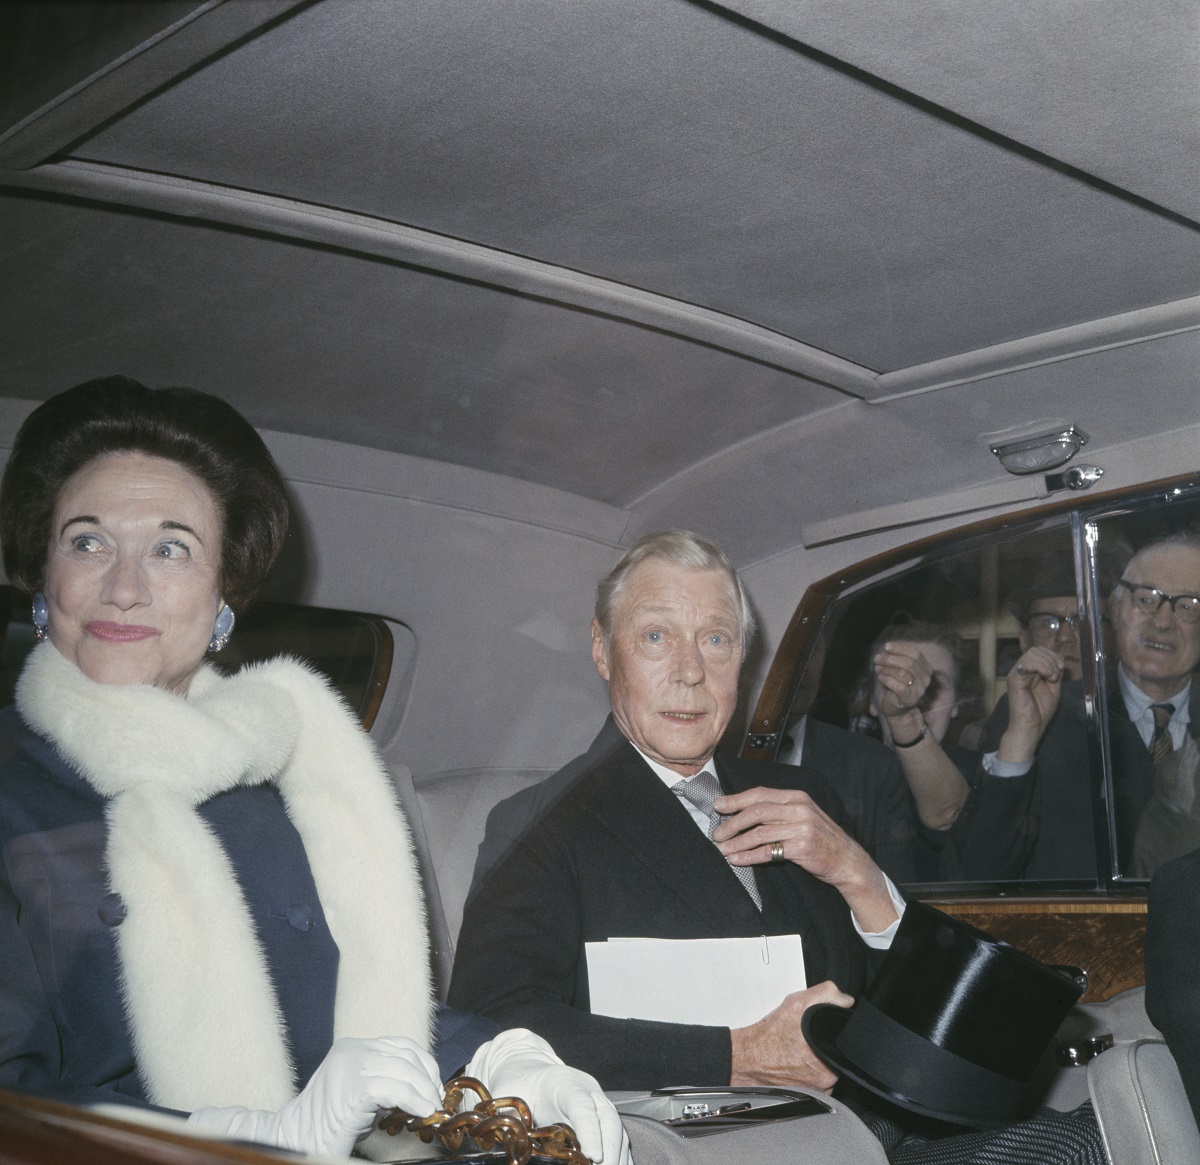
(1172, 952)
(867, 779)
(997, 829)
(520, 961)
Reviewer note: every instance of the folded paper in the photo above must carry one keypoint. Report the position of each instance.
(722, 982)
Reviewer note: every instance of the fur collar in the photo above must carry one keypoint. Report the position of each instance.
(206, 1024)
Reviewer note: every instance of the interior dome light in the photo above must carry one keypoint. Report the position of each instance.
(1041, 453)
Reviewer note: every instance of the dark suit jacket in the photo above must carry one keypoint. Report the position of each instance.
(615, 854)
(1172, 985)
(1041, 826)
(868, 780)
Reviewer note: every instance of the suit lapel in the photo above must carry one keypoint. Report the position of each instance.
(641, 813)
(1194, 708)
(778, 901)
(794, 902)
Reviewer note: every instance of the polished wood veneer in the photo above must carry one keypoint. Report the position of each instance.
(1104, 936)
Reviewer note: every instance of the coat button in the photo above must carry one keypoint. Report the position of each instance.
(301, 916)
(112, 910)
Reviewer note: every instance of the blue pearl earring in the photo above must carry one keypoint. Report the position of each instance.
(222, 629)
(41, 617)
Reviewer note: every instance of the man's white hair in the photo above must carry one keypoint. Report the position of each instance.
(1188, 539)
(679, 548)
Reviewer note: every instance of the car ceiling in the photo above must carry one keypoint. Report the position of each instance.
(759, 264)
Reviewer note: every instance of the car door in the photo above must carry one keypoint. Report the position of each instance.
(1081, 900)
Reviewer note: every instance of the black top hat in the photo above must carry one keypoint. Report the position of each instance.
(953, 1024)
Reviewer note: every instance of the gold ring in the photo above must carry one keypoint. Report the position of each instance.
(776, 851)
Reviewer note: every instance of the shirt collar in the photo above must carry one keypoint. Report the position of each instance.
(1138, 704)
(669, 777)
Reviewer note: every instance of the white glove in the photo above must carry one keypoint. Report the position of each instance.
(338, 1105)
(518, 1063)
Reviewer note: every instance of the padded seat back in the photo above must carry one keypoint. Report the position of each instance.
(447, 813)
(1142, 1107)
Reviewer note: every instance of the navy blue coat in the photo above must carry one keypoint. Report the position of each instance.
(63, 1031)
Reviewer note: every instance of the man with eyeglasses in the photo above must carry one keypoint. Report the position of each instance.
(1052, 621)
(1155, 609)
(1030, 815)
(1048, 613)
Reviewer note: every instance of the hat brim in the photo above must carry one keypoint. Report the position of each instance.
(822, 1023)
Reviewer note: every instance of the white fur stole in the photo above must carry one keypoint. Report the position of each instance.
(206, 1024)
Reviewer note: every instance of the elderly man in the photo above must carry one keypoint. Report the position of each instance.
(1030, 815)
(618, 844)
(623, 850)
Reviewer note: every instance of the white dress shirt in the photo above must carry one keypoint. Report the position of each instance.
(1138, 705)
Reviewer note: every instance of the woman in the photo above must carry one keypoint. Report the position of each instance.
(208, 896)
(915, 670)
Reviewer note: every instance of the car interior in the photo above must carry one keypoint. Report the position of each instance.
(898, 303)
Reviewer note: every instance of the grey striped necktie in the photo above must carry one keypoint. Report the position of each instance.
(1161, 744)
(701, 790)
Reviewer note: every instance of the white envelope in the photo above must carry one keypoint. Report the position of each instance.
(723, 982)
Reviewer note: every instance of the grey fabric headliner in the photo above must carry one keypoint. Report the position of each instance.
(892, 184)
(310, 341)
(653, 142)
(1106, 85)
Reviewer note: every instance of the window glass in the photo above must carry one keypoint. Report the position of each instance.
(906, 695)
(1152, 601)
(353, 650)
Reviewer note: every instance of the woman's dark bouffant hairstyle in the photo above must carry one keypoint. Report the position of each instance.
(198, 431)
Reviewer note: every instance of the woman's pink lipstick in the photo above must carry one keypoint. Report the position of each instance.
(120, 632)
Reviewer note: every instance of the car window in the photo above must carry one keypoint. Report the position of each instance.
(1092, 799)
(966, 616)
(1151, 605)
(355, 651)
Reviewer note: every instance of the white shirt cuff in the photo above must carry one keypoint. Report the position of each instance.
(995, 767)
(880, 940)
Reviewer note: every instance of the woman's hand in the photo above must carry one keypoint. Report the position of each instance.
(904, 675)
(338, 1105)
(519, 1063)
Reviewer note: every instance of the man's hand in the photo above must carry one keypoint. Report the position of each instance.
(1034, 688)
(773, 1051)
(760, 818)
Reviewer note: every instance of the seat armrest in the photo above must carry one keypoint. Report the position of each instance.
(833, 1136)
(1141, 1105)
